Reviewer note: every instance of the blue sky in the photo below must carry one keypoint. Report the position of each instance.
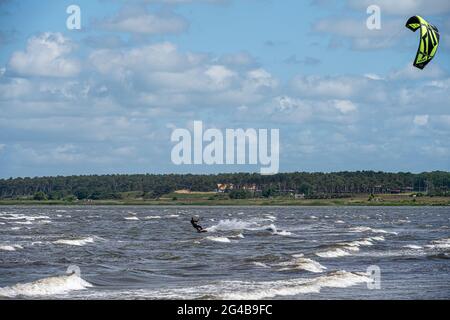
(105, 99)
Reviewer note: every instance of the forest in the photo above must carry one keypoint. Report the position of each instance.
(237, 185)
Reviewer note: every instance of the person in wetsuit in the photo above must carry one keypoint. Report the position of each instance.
(194, 222)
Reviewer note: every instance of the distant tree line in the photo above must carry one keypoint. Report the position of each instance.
(312, 185)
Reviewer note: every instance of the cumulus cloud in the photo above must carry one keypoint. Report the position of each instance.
(404, 7)
(162, 72)
(139, 20)
(421, 120)
(345, 106)
(356, 31)
(46, 55)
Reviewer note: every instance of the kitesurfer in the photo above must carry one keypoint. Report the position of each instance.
(194, 222)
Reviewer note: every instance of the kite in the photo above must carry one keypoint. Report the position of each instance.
(429, 40)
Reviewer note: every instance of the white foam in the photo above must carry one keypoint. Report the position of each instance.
(20, 216)
(260, 264)
(75, 242)
(131, 218)
(368, 229)
(12, 247)
(339, 222)
(439, 244)
(343, 249)
(46, 287)
(333, 253)
(173, 216)
(412, 246)
(261, 290)
(230, 224)
(219, 239)
(283, 233)
(152, 217)
(302, 264)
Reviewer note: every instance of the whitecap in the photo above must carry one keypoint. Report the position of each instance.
(46, 287)
(412, 246)
(302, 264)
(12, 247)
(75, 242)
(439, 244)
(368, 229)
(131, 218)
(260, 264)
(219, 239)
(152, 217)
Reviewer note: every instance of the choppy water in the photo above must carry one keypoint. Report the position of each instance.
(248, 253)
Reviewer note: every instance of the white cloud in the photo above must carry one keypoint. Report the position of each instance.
(421, 120)
(45, 55)
(337, 87)
(412, 73)
(373, 76)
(357, 32)
(345, 106)
(146, 23)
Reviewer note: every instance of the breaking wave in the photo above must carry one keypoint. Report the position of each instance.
(75, 242)
(439, 244)
(254, 290)
(46, 287)
(251, 225)
(368, 229)
(12, 247)
(219, 239)
(301, 264)
(347, 248)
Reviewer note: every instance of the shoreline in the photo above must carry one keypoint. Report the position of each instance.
(360, 201)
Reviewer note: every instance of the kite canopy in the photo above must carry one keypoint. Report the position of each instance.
(429, 40)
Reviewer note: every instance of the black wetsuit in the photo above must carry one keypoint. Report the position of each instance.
(196, 226)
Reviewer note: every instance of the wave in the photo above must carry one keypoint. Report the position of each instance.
(413, 246)
(255, 290)
(152, 217)
(12, 247)
(75, 242)
(131, 218)
(46, 287)
(343, 249)
(262, 290)
(219, 239)
(231, 225)
(368, 229)
(261, 264)
(20, 216)
(302, 264)
(252, 225)
(439, 244)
